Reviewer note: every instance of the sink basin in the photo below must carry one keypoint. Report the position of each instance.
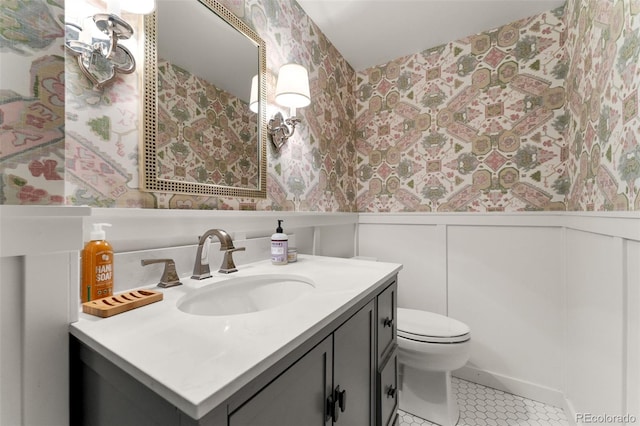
(245, 295)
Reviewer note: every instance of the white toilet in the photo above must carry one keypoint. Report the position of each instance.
(430, 346)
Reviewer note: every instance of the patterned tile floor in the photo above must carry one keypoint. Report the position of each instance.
(483, 406)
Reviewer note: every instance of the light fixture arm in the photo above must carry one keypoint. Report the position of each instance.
(279, 129)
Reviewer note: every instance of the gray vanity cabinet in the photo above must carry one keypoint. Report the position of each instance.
(304, 394)
(387, 352)
(344, 375)
(386, 322)
(387, 384)
(296, 397)
(354, 367)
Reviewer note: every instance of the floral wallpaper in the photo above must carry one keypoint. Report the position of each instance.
(314, 171)
(103, 128)
(32, 128)
(205, 134)
(96, 157)
(539, 114)
(473, 125)
(603, 49)
(305, 175)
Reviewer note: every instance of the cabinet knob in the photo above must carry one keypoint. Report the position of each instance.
(336, 403)
(387, 322)
(332, 411)
(391, 392)
(341, 396)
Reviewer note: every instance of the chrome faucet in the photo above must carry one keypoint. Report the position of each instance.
(201, 268)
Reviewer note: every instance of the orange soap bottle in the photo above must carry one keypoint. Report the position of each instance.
(97, 266)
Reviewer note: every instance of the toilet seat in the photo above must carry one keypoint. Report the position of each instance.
(429, 327)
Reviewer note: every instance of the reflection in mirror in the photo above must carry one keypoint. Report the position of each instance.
(201, 136)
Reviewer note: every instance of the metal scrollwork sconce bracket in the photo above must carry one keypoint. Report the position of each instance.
(279, 130)
(101, 57)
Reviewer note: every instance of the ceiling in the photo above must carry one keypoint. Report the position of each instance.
(374, 32)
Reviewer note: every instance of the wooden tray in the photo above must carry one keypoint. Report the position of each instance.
(113, 305)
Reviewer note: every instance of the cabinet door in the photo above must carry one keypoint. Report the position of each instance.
(354, 369)
(388, 390)
(386, 321)
(296, 397)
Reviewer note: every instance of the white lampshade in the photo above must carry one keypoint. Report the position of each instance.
(292, 89)
(140, 7)
(253, 99)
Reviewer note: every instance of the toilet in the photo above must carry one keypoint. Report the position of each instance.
(430, 346)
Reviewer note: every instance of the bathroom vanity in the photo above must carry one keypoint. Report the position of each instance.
(327, 356)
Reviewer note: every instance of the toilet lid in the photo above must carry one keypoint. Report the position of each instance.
(429, 327)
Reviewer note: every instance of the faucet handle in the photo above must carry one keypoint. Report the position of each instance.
(169, 276)
(232, 249)
(228, 265)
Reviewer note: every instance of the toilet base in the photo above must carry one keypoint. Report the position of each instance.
(429, 395)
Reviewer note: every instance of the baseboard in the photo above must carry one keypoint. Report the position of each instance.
(514, 386)
(570, 412)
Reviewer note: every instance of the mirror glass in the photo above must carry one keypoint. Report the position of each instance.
(201, 136)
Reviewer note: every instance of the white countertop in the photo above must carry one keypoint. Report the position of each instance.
(197, 362)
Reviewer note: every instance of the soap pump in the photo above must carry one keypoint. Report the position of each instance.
(97, 266)
(279, 245)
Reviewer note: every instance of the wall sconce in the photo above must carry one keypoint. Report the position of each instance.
(95, 43)
(292, 90)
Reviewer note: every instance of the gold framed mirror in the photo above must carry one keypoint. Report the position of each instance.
(200, 135)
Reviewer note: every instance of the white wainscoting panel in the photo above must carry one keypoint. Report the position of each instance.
(505, 283)
(336, 241)
(38, 250)
(422, 251)
(130, 274)
(595, 319)
(633, 329)
(46, 339)
(552, 299)
(11, 340)
(143, 229)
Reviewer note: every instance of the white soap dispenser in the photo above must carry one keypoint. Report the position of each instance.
(279, 246)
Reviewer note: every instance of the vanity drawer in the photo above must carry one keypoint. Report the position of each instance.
(386, 317)
(387, 385)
